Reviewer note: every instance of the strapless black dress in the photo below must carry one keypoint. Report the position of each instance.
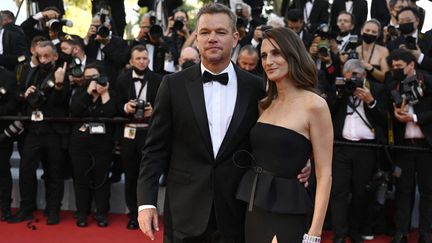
(278, 203)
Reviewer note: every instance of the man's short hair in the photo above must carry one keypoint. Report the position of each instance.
(216, 8)
(353, 65)
(347, 13)
(250, 49)
(138, 48)
(74, 40)
(48, 43)
(180, 10)
(413, 10)
(401, 54)
(295, 15)
(37, 39)
(8, 14)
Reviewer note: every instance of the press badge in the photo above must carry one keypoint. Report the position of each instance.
(96, 128)
(37, 116)
(129, 132)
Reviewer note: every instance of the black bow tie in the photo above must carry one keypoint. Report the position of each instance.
(221, 78)
(138, 80)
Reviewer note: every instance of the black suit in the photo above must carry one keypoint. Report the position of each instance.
(359, 10)
(13, 47)
(416, 166)
(380, 11)
(198, 185)
(353, 167)
(131, 149)
(319, 13)
(425, 44)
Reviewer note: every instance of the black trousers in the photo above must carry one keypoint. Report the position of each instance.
(131, 154)
(416, 166)
(353, 168)
(6, 148)
(47, 149)
(91, 156)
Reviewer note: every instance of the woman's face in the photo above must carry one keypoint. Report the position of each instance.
(371, 29)
(274, 64)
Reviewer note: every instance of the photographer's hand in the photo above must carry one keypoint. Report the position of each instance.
(402, 113)
(92, 31)
(91, 88)
(130, 107)
(50, 14)
(364, 94)
(103, 91)
(416, 52)
(30, 90)
(59, 76)
(148, 110)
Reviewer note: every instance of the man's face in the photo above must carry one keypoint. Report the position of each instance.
(408, 17)
(188, 54)
(66, 48)
(46, 54)
(139, 59)
(344, 23)
(296, 26)
(398, 6)
(180, 15)
(360, 74)
(215, 38)
(408, 68)
(145, 25)
(247, 61)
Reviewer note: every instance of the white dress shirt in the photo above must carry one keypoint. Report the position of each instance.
(1, 41)
(349, 6)
(150, 50)
(412, 130)
(307, 10)
(355, 128)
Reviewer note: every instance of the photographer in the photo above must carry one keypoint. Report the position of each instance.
(359, 116)
(91, 145)
(346, 40)
(189, 56)
(248, 59)
(101, 45)
(46, 95)
(136, 90)
(419, 44)
(412, 126)
(296, 23)
(12, 47)
(176, 34)
(8, 107)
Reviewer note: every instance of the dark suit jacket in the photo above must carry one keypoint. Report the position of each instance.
(126, 88)
(179, 140)
(360, 11)
(425, 44)
(13, 47)
(8, 101)
(423, 110)
(376, 116)
(318, 15)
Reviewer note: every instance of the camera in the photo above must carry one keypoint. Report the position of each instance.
(103, 30)
(55, 25)
(347, 86)
(38, 97)
(410, 43)
(12, 130)
(178, 23)
(379, 185)
(102, 80)
(322, 31)
(324, 47)
(410, 90)
(239, 10)
(75, 68)
(352, 44)
(3, 92)
(140, 108)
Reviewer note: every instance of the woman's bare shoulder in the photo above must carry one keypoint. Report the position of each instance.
(314, 101)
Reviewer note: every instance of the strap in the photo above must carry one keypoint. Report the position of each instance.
(361, 117)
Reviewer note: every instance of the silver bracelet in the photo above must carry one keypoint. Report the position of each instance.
(311, 239)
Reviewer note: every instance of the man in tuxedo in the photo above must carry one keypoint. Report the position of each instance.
(359, 116)
(315, 12)
(248, 59)
(297, 24)
(419, 44)
(12, 48)
(135, 85)
(412, 126)
(202, 116)
(358, 8)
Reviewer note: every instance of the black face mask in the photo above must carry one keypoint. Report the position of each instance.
(139, 72)
(64, 57)
(45, 67)
(406, 28)
(398, 74)
(367, 38)
(187, 64)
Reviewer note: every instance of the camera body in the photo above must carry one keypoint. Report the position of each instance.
(75, 68)
(3, 92)
(379, 185)
(324, 47)
(140, 108)
(38, 97)
(56, 25)
(102, 80)
(410, 43)
(347, 86)
(103, 30)
(352, 44)
(410, 90)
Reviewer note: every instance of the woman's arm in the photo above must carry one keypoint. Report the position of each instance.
(380, 74)
(321, 135)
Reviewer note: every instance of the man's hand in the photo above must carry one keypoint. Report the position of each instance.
(148, 222)
(364, 94)
(91, 87)
(30, 90)
(130, 107)
(50, 14)
(258, 34)
(402, 113)
(91, 32)
(303, 177)
(148, 110)
(59, 76)
(102, 89)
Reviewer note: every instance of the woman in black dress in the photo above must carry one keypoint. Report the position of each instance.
(295, 124)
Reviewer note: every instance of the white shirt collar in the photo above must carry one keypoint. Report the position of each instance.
(135, 75)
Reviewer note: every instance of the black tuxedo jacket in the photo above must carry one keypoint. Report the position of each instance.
(318, 15)
(423, 110)
(376, 116)
(125, 89)
(13, 47)
(179, 140)
(360, 11)
(425, 44)
(8, 101)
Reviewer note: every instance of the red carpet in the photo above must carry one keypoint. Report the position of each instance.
(67, 232)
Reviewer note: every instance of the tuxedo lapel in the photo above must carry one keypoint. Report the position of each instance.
(195, 90)
(240, 108)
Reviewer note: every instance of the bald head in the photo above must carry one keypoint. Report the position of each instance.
(189, 54)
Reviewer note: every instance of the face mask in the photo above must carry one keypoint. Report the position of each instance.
(187, 64)
(367, 38)
(45, 66)
(343, 34)
(65, 57)
(139, 72)
(406, 28)
(398, 74)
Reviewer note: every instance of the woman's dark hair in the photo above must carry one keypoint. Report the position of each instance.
(301, 68)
